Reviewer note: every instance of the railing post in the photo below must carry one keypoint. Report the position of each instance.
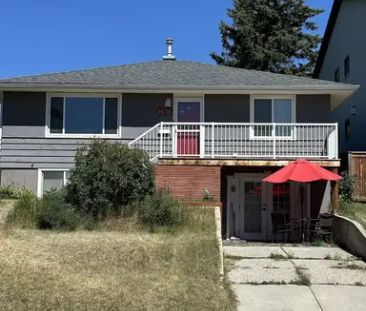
(274, 139)
(174, 140)
(202, 141)
(161, 140)
(212, 140)
(333, 143)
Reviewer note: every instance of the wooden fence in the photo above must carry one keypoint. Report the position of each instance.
(357, 168)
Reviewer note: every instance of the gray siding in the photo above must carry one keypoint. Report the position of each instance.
(312, 108)
(140, 112)
(347, 39)
(227, 108)
(20, 178)
(41, 152)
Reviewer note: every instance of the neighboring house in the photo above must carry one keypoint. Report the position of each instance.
(342, 58)
(206, 128)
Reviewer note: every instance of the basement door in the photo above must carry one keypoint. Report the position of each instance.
(247, 207)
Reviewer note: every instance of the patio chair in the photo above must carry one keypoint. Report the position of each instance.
(322, 229)
(280, 226)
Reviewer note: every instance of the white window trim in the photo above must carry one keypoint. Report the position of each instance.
(181, 99)
(272, 97)
(40, 178)
(96, 95)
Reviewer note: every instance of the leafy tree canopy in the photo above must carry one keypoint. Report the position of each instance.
(270, 35)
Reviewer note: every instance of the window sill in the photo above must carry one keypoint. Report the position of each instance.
(83, 136)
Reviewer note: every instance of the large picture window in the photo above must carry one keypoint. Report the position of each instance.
(84, 115)
(266, 110)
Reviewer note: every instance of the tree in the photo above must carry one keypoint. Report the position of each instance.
(270, 35)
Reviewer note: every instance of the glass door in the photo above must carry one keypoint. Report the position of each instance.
(253, 207)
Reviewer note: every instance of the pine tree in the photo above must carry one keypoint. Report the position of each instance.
(270, 35)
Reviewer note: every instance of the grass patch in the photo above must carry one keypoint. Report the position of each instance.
(350, 266)
(302, 277)
(267, 283)
(108, 269)
(359, 284)
(334, 257)
(278, 256)
(355, 211)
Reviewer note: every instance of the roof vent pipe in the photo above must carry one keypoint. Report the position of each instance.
(169, 55)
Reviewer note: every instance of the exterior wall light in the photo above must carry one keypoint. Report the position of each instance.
(353, 110)
(168, 102)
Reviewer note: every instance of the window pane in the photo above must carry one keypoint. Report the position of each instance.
(57, 114)
(262, 110)
(53, 180)
(83, 115)
(263, 114)
(346, 67)
(282, 111)
(111, 115)
(189, 112)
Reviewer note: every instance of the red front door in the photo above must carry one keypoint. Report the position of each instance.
(188, 135)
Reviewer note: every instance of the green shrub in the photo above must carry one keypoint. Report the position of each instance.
(107, 177)
(346, 187)
(160, 209)
(10, 193)
(24, 214)
(56, 214)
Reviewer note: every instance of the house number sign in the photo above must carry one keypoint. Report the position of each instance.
(165, 111)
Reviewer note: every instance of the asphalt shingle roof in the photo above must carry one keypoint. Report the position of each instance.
(169, 74)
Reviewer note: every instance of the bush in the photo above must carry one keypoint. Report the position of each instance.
(107, 177)
(346, 187)
(25, 211)
(56, 214)
(160, 209)
(10, 193)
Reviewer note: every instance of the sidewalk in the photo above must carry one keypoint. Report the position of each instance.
(295, 278)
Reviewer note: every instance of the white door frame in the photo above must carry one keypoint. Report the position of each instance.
(240, 223)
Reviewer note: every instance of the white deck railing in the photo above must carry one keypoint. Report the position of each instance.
(240, 140)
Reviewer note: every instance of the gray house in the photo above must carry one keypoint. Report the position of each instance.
(207, 128)
(342, 59)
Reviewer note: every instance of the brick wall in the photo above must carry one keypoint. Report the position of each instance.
(188, 181)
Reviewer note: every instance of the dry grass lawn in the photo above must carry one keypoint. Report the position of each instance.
(355, 211)
(113, 270)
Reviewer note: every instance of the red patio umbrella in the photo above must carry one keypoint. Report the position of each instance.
(301, 171)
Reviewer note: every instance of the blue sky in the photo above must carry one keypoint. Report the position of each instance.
(39, 36)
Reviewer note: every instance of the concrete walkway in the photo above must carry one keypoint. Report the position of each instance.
(295, 277)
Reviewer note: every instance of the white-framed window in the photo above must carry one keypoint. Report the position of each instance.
(51, 179)
(273, 116)
(83, 115)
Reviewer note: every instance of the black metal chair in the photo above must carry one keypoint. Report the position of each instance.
(280, 226)
(322, 229)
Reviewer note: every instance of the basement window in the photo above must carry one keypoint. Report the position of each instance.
(84, 115)
(53, 180)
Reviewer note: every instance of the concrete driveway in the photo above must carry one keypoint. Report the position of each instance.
(295, 277)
